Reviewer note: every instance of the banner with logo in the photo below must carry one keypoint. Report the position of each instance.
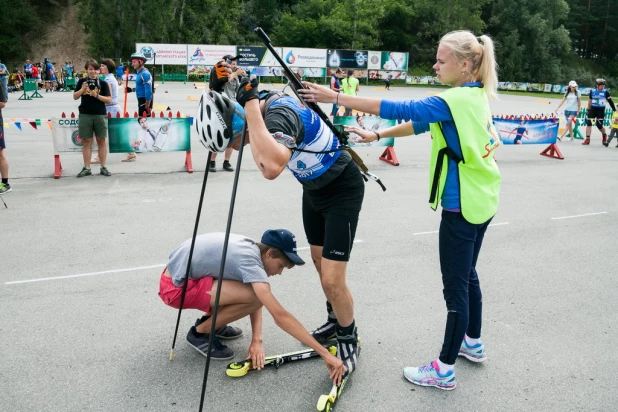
(174, 54)
(149, 134)
(394, 61)
(298, 57)
(359, 74)
(198, 70)
(209, 55)
(309, 71)
(383, 75)
(371, 123)
(524, 131)
(65, 135)
(347, 59)
(255, 56)
(373, 60)
(265, 71)
(422, 80)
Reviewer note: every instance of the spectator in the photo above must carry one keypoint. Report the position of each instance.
(4, 164)
(143, 91)
(229, 89)
(351, 87)
(68, 69)
(120, 73)
(107, 68)
(36, 74)
(94, 94)
(4, 80)
(28, 69)
(387, 81)
(573, 99)
(335, 84)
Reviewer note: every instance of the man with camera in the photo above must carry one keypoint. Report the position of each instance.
(94, 93)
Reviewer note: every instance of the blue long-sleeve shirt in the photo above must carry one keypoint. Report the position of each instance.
(143, 84)
(432, 110)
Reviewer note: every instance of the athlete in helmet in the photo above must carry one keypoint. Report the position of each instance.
(596, 109)
(219, 121)
(143, 91)
(284, 133)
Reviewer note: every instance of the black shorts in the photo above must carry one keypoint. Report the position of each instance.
(2, 143)
(141, 101)
(597, 113)
(330, 214)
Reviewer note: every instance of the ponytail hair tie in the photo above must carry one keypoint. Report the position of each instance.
(479, 40)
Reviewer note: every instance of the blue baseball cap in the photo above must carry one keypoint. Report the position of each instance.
(285, 241)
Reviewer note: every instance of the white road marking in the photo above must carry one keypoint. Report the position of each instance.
(106, 272)
(574, 216)
(435, 231)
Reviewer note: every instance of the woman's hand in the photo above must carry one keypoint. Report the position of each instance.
(365, 136)
(335, 368)
(256, 354)
(318, 94)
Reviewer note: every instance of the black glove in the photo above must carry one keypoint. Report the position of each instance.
(248, 90)
(128, 89)
(218, 78)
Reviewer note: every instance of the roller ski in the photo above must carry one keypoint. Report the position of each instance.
(349, 358)
(239, 369)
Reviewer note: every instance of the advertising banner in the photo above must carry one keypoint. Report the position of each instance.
(347, 59)
(309, 71)
(383, 75)
(370, 123)
(298, 57)
(169, 54)
(422, 80)
(65, 134)
(359, 74)
(373, 60)
(209, 55)
(254, 56)
(522, 131)
(557, 88)
(198, 70)
(149, 134)
(394, 61)
(265, 71)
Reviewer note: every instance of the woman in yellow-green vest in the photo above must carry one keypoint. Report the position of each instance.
(463, 177)
(350, 86)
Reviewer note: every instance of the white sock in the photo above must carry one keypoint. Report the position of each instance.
(444, 368)
(472, 342)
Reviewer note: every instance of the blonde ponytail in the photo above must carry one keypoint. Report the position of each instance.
(480, 52)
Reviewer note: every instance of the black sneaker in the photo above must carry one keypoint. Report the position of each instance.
(200, 343)
(225, 332)
(105, 172)
(84, 172)
(213, 166)
(227, 166)
(605, 144)
(326, 332)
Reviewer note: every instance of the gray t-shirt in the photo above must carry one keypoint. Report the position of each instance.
(243, 262)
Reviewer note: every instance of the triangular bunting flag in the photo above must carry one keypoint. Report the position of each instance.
(49, 124)
(33, 124)
(13, 119)
(38, 122)
(18, 125)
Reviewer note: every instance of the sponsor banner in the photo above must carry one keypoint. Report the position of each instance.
(198, 70)
(265, 71)
(309, 71)
(522, 131)
(298, 57)
(360, 74)
(347, 59)
(209, 55)
(169, 54)
(371, 123)
(65, 135)
(383, 75)
(255, 56)
(422, 80)
(373, 60)
(149, 134)
(557, 88)
(394, 61)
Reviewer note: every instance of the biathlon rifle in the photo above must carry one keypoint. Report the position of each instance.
(296, 84)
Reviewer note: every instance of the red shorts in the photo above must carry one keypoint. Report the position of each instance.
(197, 296)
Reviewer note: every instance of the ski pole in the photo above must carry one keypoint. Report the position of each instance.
(126, 93)
(215, 308)
(5, 206)
(186, 282)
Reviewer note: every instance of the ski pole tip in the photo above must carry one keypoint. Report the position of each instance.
(172, 354)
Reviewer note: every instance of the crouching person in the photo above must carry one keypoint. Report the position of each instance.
(245, 289)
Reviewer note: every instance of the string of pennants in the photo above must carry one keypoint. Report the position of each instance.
(20, 123)
(541, 116)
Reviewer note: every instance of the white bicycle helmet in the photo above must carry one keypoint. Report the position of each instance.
(218, 120)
